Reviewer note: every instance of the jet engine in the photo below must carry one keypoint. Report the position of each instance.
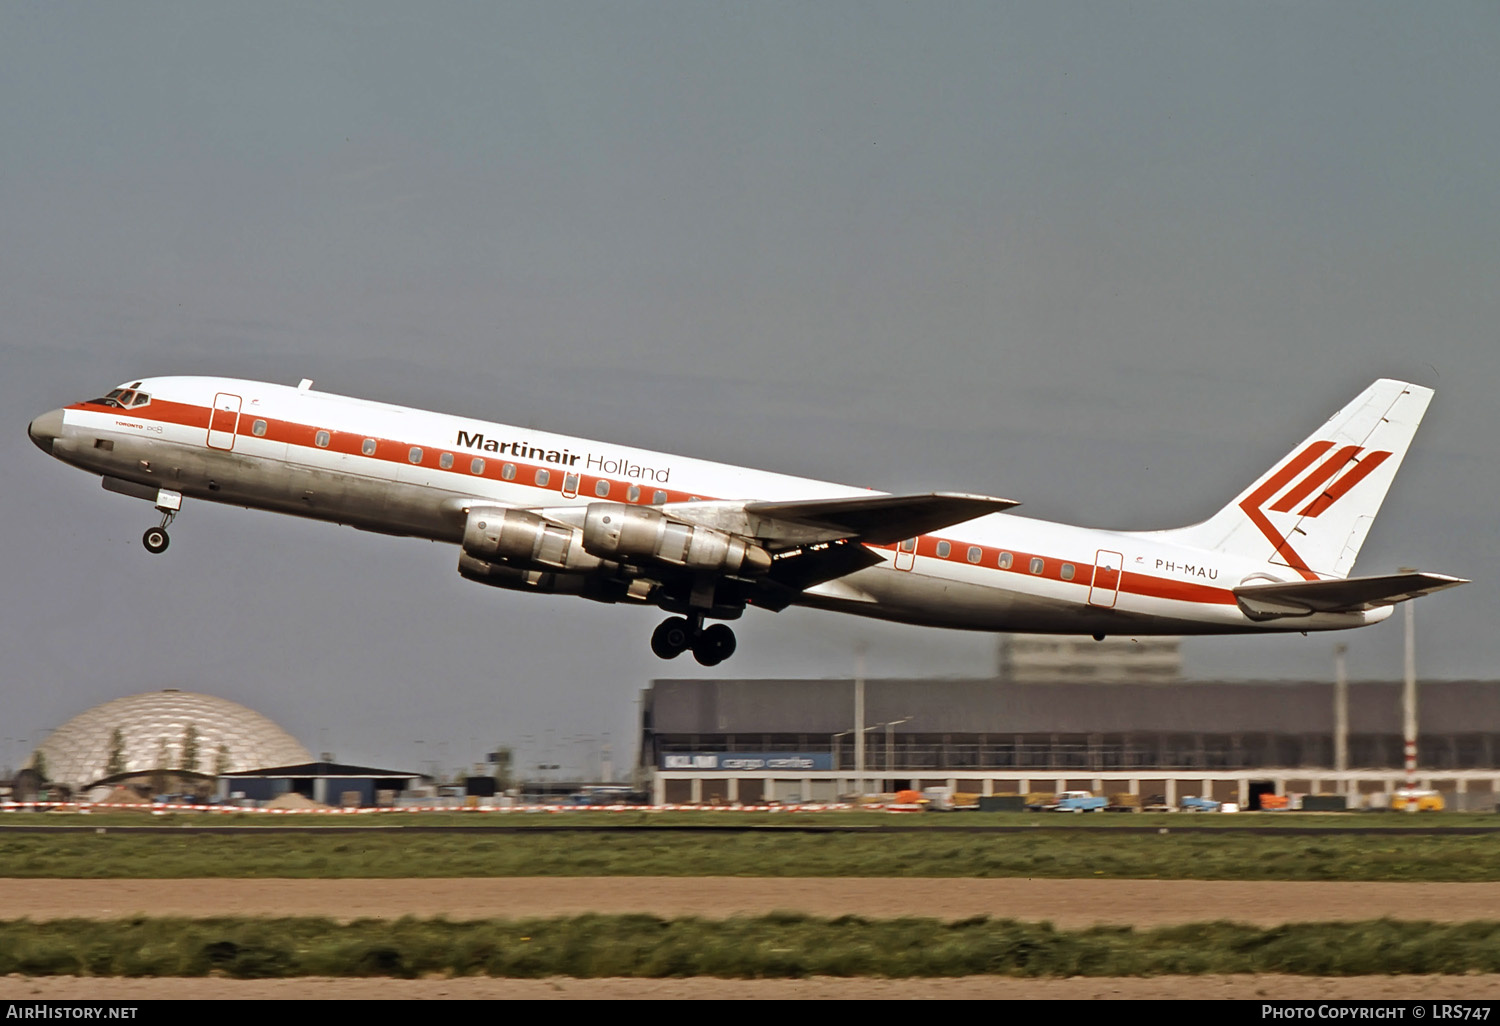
(619, 532)
(524, 539)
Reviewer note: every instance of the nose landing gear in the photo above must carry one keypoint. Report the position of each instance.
(156, 539)
(677, 634)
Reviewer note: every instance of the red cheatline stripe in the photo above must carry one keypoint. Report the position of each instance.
(1332, 465)
(392, 451)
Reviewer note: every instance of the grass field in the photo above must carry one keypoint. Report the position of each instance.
(776, 946)
(850, 819)
(1389, 855)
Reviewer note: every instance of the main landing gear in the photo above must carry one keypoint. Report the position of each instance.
(675, 635)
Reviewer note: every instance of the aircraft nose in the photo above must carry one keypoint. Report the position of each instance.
(46, 428)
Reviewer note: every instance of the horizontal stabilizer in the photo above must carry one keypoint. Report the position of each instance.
(1352, 595)
(882, 519)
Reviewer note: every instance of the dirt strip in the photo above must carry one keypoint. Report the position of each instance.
(1244, 988)
(1066, 903)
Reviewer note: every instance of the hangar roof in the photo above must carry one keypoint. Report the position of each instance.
(992, 706)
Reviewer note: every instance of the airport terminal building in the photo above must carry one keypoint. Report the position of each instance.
(1035, 726)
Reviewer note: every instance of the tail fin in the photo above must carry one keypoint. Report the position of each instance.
(1311, 511)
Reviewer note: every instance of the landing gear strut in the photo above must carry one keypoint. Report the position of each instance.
(168, 503)
(156, 538)
(677, 634)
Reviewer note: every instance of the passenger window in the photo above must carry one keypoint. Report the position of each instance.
(1037, 564)
(975, 553)
(943, 548)
(258, 429)
(658, 497)
(910, 545)
(542, 477)
(508, 471)
(1067, 571)
(368, 448)
(601, 489)
(476, 466)
(322, 438)
(1005, 560)
(445, 461)
(415, 455)
(633, 493)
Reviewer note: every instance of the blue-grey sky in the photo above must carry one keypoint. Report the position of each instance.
(1108, 259)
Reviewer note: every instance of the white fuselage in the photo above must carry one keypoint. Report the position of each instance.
(411, 472)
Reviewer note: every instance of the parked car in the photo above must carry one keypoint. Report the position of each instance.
(1078, 801)
(1198, 803)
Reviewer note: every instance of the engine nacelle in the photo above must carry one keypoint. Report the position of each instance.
(599, 589)
(498, 575)
(619, 532)
(525, 539)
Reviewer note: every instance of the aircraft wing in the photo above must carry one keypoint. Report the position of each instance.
(1350, 595)
(876, 519)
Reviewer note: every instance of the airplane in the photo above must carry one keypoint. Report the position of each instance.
(539, 512)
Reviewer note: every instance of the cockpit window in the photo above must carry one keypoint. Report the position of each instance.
(123, 399)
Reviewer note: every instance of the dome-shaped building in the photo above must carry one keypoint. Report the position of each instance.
(169, 731)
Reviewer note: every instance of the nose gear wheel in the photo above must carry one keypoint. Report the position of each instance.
(156, 538)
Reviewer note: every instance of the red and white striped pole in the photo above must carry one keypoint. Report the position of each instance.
(1409, 706)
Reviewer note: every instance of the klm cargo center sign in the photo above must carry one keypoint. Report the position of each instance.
(741, 762)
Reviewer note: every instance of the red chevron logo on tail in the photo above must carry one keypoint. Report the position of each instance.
(1302, 478)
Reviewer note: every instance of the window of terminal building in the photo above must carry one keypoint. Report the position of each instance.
(322, 438)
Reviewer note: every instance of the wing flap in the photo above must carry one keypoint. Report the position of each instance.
(1349, 595)
(881, 519)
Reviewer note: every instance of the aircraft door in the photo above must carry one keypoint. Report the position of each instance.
(223, 421)
(906, 554)
(1105, 589)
